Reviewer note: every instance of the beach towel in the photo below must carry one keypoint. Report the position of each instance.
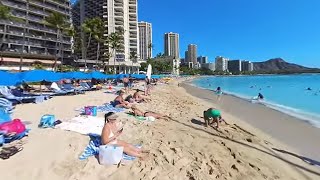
(105, 109)
(92, 149)
(83, 125)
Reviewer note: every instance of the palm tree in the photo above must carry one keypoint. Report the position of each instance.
(60, 23)
(133, 57)
(107, 56)
(114, 40)
(150, 47)
(89, 27)
(98, 32)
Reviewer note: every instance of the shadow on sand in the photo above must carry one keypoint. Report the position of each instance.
(271, 153)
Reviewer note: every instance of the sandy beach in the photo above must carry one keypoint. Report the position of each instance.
(179, 149)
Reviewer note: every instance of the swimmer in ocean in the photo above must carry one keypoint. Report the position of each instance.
(309, 89)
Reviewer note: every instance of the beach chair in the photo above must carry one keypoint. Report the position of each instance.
(85, 86)
(6, 92)
(58, 91)
(6, 105)
(70, 87)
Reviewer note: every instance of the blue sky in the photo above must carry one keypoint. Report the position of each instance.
(255, 30)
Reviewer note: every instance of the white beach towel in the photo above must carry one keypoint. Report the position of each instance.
(83, 125)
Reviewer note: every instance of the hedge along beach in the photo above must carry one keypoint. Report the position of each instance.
(179, 149)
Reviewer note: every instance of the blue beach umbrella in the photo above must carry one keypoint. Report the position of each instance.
(76, 75)
(8, 79)
(39, 75)
(98, 75)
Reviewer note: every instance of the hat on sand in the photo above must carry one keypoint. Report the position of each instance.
(215, 113)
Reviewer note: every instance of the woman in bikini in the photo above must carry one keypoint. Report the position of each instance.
(119, 102)
(111, 132)
(138, 112)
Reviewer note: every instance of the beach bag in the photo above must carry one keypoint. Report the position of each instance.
(47, 121)
(14, 126)
(90, 110)
(110, 154)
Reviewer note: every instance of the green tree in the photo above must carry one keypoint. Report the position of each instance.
(60, 23)
(114, 40)
(98, 32)
(133, 57)
(89, 27)
(150, 47)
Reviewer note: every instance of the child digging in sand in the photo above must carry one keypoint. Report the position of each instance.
(212, 116)
(138, 112)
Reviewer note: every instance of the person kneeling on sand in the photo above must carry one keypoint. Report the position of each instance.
(119, 102)
(212, 116)
(111, 132)
(138, 112)
(139, 98)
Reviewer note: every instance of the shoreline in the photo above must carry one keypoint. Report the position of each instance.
(280, 126)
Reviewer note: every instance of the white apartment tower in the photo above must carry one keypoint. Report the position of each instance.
(221, 63)
(122, 15)
(145, 40)
(171, 45)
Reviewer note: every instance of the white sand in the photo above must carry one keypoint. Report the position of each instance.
(180, 149)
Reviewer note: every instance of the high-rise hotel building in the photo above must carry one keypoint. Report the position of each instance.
(28, 39)
(171, 45)
(118, 16)
(145, 40)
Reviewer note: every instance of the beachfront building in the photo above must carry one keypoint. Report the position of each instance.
(119, 16)
(246, 66)
(192, 54)
(171, 45)
(145, 40)
(186, 58)
(174, 63)
(28, 40)
(202, 59)
(210, 66)
(234, 66)
(221, 64)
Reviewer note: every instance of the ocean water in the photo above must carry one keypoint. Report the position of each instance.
(285, 93)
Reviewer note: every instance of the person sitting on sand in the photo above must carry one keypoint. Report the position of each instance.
(119, 102)
(139, 98)
(138, 112)
(212, 116)
(111, 132)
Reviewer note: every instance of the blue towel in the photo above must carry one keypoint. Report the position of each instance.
(93, 149)
(105, 108)
(9, 139)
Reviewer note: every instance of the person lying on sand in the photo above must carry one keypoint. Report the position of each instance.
(139, 98)
(212, 116)
(119, 102)
(138, 112)
(111, 132)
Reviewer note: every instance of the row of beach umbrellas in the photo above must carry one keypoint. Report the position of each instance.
(9, 79)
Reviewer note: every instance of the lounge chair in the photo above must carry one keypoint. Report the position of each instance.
(6, 92)
(6, 105)
(70, 87)
(86, 86)
(58, 91)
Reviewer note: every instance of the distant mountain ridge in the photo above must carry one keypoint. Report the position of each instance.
(280, 65)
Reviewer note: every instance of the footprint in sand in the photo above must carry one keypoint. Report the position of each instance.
(254, 167)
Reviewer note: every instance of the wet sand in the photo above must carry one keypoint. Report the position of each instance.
(287, 129)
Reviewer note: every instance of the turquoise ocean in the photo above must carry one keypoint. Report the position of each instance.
(285, 93)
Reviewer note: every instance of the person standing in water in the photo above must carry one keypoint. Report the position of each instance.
(260, 96)
(219, 93)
